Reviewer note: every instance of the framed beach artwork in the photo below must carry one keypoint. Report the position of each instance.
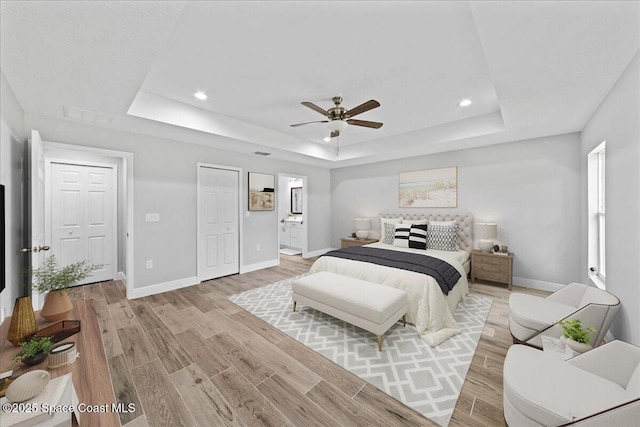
(262, 196)
(431, 188)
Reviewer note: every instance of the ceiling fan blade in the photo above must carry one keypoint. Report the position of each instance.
(365, 123)
(369, 105)
(335, 133)
(314, 107)
(308, 123)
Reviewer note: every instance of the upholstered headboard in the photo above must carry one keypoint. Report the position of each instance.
(464, 221)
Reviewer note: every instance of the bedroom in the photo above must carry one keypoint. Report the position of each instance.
(532, 186)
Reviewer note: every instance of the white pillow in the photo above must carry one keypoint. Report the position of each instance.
(388, 221)
(452, 222)
(415, 221)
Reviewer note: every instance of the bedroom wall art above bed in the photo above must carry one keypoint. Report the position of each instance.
(430, 188)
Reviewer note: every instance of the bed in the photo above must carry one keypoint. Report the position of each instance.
(430, 310)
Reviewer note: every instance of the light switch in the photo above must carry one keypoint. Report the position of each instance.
(152, 217)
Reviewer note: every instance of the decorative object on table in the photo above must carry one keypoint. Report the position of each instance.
(362, 227)
(33, 351)
(262, 196)
(431, 188)
(27, 386)
(504, 249)
(62, 354)
(353, 235)
(59, 331)
(5, 380)
(54, 279)
(23, 321)
(486, 232)
(575, 336)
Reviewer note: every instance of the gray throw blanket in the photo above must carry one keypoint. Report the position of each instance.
(444, 273)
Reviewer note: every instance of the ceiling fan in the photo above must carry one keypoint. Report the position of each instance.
(339, 117)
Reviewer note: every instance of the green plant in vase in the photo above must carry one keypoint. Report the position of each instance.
(33, 351)
(575, 335)
(51, 278)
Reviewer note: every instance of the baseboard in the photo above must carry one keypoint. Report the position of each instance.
(259, 266)
(609, 337)
(163, 287)
(122, 277)
(537, 284)
(316, 253)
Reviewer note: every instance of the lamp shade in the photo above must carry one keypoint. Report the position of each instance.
(485, 230)
(362, 224)
(337, 125)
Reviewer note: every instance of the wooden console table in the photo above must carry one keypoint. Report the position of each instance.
(89, 373)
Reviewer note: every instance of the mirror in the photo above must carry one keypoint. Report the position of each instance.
(296, 200)
(262, 196)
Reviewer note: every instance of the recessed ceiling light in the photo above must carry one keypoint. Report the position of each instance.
(327, 138)
(465, 103)
(200, 95)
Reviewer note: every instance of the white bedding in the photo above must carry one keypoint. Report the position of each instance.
(429, 309)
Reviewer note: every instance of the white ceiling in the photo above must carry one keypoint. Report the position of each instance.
(531, 69)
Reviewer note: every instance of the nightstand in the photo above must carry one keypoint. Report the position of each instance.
(348, 242)
(488, 266)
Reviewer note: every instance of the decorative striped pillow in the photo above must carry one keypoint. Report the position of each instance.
(418, 236)
(401, 237)
(442, 237)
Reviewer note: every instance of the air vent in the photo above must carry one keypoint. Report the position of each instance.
(261, 153)
(86, 115)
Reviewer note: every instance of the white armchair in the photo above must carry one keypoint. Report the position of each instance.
(530, 316)
(597, 388)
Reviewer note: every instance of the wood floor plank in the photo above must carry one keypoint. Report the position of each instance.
(94, 292)
(295, 373)
(206, 326)
(110, 340)
(341, 407)
(334, 374)
(171, 353)
(135, 346)
(112, 292)
(206, 356)
(101, 309)
(145, 314)
(172, 318)
(162, 403)
(202, 302)
(299, 409)
(202, 398)
(176, 300)
(122, 315)
(250, 405)
(123, 388)
(249, 365)
(389, 409)
(156, 300)
(138, 422)
(230, 325)
(262, 328)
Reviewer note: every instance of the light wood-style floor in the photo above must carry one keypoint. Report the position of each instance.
(191, 357)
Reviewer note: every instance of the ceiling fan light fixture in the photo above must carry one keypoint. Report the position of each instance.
(327, 138)
(337, 125)
(465, 103)
(200, 95)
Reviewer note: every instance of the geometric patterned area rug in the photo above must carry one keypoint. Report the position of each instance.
(427, 379)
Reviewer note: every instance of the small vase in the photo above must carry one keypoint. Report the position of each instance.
(23, 321)
(57, 306)
(575, 345)
(35, 359)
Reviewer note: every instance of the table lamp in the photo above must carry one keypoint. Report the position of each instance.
(485, 232)
(362, 227)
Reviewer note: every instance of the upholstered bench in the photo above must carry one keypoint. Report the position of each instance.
(369, 306)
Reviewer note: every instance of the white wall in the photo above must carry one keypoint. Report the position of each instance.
(164, 173)
(12, 137)
(529, 188)
(617, 122)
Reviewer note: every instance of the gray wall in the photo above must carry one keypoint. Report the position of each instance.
(165, 183)
(616, 121)
(12, 137)
(530, 188)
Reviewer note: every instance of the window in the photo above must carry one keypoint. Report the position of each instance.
(596, 194)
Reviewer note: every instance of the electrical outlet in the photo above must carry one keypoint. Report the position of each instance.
(149, 264)
(152, 217)
(258, 247)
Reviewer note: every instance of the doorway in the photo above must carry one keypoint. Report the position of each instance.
(292, 214)
(218, 221)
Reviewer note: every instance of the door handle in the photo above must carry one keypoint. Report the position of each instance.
(35, 249)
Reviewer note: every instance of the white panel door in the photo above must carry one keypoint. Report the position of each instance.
(218, 240)
(83, 218)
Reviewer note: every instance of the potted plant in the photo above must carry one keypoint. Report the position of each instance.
(54, 279)
(33, 351)
(575, 336)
